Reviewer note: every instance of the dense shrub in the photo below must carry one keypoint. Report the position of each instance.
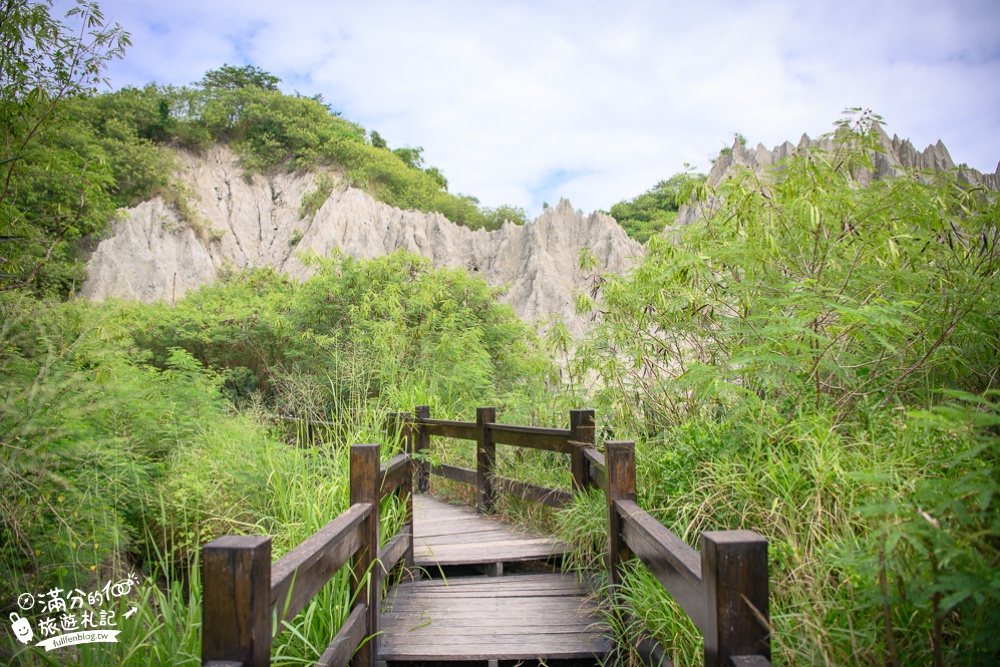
(776, 365)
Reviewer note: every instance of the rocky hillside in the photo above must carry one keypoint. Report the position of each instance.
(899, 155)
(151, 254)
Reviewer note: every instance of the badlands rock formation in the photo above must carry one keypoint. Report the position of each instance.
(899, 156)
(152, 255)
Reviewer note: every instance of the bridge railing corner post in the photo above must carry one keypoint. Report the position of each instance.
(365, 570)
(735, 577)
(407, 488)
(486, 457)
(421, 448)
(236, 600)
(620, 459)
(582, 426)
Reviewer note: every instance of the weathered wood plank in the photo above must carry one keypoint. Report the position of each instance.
(457, 526)
(440, 557)
(529, 581)
(454, 473)
(396, 548)
(479, 593)
(478, 539)
(532, 437)
(674, 564)
(595, 457)
(350, 635)
(493, 619)
(312, 563)
(540, 494)
(468, 537)
(393, 473)
(449, 429)
(749, 661)
(505, 647)
(598, 469)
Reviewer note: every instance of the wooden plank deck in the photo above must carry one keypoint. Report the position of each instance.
(446, 535)
(517, 617)
(476, 619)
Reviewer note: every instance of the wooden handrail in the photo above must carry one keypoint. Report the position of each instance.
(449, 429)
(243, 591)
(394, 474)
(314, 562)
(395, 549)
(455, 473)
(347, 639)
(674, 564)
(723, 589)
(597, 470)
(488, 433)
(540, 494)
(533, 437)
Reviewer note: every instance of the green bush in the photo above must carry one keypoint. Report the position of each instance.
(769, 362)
(648, 214)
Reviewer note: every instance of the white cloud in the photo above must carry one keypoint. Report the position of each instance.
(506, 97)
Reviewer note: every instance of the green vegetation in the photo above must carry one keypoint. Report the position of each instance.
(817, 361)
(783, 367)
(54, 186)
(646, 215)
(72, 157)
(121, 450)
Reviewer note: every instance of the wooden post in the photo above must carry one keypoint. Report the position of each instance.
(486, 459)
(734, 571)
(407, 488)
(581, 426)
(365, 489)
(236, 602)
(393, 429)
(421, 448)
(620, 460)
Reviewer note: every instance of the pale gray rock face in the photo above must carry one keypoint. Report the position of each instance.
(899, 156)
(151, 255)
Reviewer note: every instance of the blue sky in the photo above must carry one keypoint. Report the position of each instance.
(523, 102)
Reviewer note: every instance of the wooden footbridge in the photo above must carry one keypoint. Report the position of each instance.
(441, 590)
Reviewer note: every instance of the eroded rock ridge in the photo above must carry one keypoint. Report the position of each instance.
(153, 255)
(899, 157)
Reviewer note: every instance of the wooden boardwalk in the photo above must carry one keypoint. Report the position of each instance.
(536, 617)
(522, 617)
(449, 535)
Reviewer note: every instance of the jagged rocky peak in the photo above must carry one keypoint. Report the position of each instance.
(899, 155)
(153, 255)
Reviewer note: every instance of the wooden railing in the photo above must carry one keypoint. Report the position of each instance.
(724, 589)
(487, 434)
(246, 597)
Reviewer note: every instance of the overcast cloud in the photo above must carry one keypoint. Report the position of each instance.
(525, 102)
